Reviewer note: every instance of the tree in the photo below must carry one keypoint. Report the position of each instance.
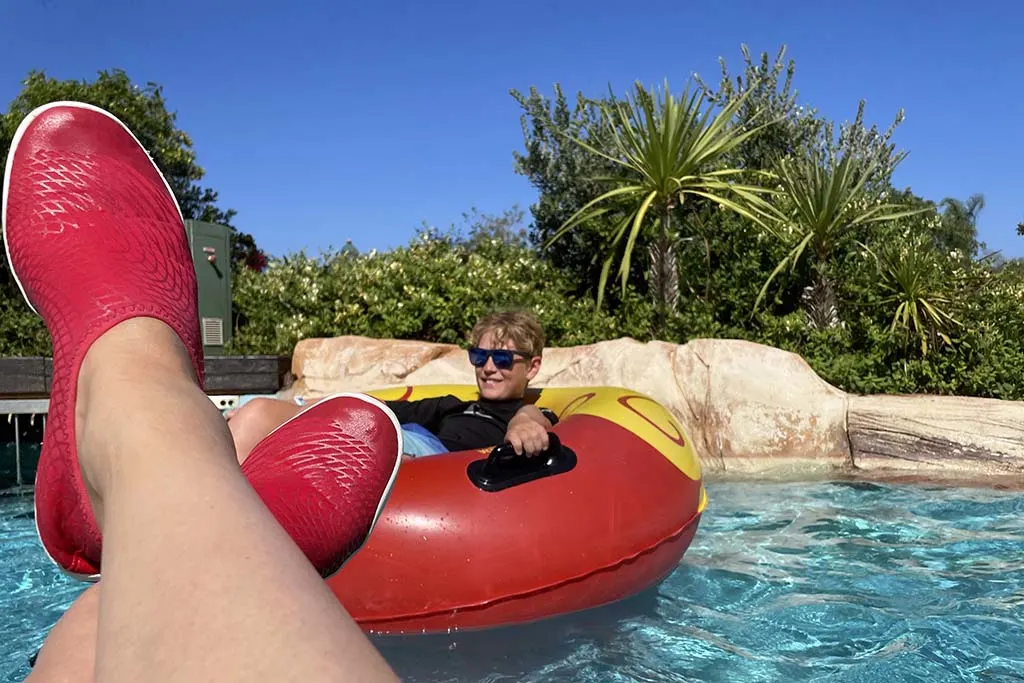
(665, 150)
(482, 229)
(144, 111)
(566, 177)
(830, 193)
(769, 97)
(563, 174)
(244, 252)
(959, 227)
(766, 89)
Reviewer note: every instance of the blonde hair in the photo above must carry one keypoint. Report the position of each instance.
(519, 327)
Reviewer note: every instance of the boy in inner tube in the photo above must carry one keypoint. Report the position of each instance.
(506, 349)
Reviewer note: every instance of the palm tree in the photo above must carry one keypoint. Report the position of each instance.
(666, 148)
(823, 198)
(959, 227)
(966, 212)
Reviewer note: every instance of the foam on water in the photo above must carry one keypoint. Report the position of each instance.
(785, 581)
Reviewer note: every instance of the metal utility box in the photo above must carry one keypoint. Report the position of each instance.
(211, 254)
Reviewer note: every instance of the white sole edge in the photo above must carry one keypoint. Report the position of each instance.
(18, 135)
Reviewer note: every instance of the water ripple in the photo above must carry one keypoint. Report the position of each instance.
(836, 581)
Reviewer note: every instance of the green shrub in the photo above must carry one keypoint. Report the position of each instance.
(22, 332)
(985, 358)
(434, 289)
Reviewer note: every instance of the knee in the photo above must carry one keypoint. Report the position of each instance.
(69, 652)
(257, 418)
(255, 412)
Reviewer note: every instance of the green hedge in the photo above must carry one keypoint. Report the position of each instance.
(434, 289)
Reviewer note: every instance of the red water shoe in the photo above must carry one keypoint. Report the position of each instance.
(94, 237)
(326, 474)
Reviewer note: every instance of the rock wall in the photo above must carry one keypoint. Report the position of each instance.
(747, 407)
(951, 434)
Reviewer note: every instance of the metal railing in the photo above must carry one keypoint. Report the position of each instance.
(18, 409)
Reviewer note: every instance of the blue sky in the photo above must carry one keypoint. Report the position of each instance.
(325, 121)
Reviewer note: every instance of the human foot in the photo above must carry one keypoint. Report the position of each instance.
(326, 474)
(94, 237)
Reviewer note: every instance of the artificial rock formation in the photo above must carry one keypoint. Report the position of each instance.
(951, 434)
(324, 366)
(747, 407)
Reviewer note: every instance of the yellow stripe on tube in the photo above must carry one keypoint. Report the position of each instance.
(640, 414)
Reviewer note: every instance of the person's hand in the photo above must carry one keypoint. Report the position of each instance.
(526, 436)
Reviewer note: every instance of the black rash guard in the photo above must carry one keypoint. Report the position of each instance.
(461, 425)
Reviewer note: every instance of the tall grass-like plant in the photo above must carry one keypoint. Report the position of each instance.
(910, 276)
(666, 148)
(824, 198)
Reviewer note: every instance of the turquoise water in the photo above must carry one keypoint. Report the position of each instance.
(828, 581)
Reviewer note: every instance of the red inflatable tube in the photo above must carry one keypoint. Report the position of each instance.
(448, 555)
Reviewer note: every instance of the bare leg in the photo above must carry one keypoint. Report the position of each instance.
(200, 582)
(200, 579)
(257, 418)
(69, 653)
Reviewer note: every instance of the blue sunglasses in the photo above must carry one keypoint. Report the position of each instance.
(504, 359)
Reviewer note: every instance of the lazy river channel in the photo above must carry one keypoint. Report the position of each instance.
(803, 581)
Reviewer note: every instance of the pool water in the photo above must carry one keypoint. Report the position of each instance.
(836, 581)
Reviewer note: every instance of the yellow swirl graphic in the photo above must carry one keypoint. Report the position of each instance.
(642, 415)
